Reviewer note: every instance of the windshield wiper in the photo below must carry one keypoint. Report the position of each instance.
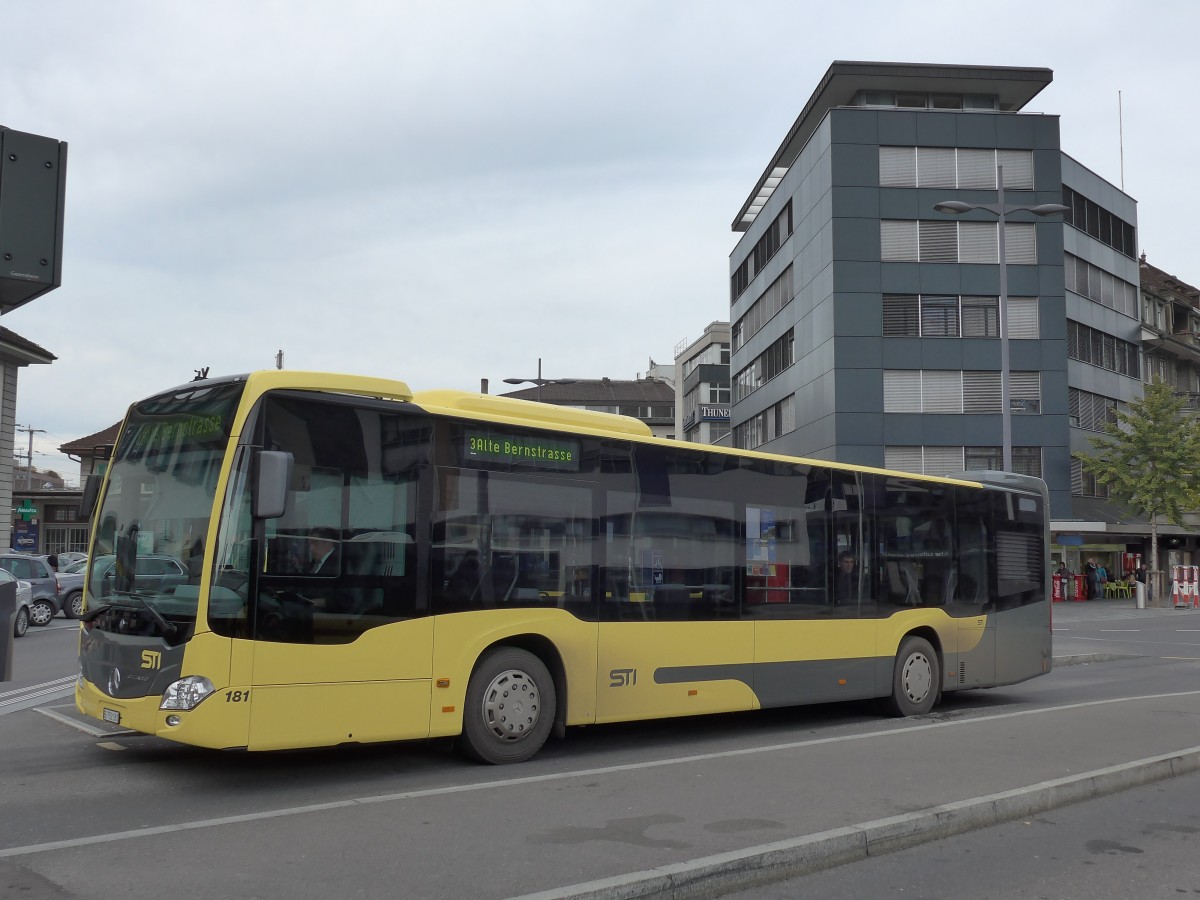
(168, 628)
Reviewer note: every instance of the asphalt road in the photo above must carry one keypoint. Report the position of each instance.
(610, 811)
(1143, 843)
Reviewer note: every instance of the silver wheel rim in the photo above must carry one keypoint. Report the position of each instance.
(917, 677)
(512, 705)
(22, 623)
(41, 614)
(77, 606)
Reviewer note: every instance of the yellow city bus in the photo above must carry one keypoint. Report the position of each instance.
(298, 559)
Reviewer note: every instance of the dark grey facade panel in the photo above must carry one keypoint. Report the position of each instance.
(856, 276)
(1054, 356)
(899, 353)
(857, 240)
(1016, 132)
(900, 203)
(1025, 356)
(857, 352)
(855, 165)
(858, 314)
(860, 428)
(982, 353)
(1054, 393)
(936, 129)
(902, 430)
(974, 130)
(940, 353)
(855, 126)
(858, 391)
(859, 202)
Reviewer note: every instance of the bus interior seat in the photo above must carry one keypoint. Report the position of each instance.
(903, 583)
(504, 577)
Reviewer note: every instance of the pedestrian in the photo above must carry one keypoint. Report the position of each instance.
(1092, 572)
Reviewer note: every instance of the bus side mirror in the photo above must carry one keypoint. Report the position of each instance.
(91, 492)
(273, 471)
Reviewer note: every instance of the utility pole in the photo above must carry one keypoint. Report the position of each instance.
(29, 460)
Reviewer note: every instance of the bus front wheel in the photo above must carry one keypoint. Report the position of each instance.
(916, 678)
(509, 707)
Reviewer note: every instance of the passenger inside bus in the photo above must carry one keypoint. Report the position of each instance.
(845, 586)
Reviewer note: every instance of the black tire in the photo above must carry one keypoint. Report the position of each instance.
(41, 611)
(21, 625)
(73, 605)
(916, 680)
(509, 708)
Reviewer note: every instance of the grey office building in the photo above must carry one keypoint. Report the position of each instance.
(866, 325)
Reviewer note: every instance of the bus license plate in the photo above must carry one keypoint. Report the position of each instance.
(112, 716)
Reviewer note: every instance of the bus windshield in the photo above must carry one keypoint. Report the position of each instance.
(146, 559)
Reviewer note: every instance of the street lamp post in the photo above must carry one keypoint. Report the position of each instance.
(1001, 210)
(539, 381)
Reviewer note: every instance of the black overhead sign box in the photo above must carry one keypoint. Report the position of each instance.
(33, 173)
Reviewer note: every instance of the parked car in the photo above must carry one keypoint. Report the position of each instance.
(24, 592)
(34, 569)
(161, 574)
(70, 589)
(70, 557)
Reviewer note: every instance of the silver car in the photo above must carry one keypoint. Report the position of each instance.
(40, 576)
(24, 595)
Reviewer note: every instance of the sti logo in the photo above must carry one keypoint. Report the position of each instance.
(151, 659)
(622, 678)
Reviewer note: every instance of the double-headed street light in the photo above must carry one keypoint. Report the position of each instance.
(539, 381)
(999, 208)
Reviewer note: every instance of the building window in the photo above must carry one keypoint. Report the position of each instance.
(903, 240)
(712, 355)
(773, 299)
(1090, 411)
(1096, 221)
(1097, 348)
(919, 100)
(951, 460)
(954, 168)
(1104, 288)
(767, 246)
(910, 315)
(773, 422)
(949, 391)
(1084, 484)
(766, 366)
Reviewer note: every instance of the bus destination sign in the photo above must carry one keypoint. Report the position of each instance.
(523, 450)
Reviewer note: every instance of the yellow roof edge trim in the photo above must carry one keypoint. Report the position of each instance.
(529, 412)
(330, 382)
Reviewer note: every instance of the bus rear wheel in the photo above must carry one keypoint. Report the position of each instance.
(916, 678)
(509, 708)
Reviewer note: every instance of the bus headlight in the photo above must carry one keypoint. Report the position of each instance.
(186, 693)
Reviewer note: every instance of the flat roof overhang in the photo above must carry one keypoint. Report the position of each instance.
(1016, 86)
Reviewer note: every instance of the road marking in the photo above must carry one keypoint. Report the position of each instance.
(110, 745)
(23, 698)
(1119, 630)
(1192, 658)
(264, 815)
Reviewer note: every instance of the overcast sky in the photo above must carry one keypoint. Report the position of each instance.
(440, 192)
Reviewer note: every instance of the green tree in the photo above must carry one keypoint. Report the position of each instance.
(1150, 460)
